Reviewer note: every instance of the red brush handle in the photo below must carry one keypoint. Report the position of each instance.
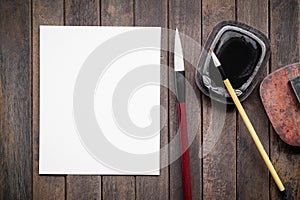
(185, 158)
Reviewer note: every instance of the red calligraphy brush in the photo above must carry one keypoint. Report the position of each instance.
(180, 94)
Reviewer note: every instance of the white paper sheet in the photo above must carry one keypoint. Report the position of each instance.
(95, 82)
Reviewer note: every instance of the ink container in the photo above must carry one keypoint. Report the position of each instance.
(243, 52)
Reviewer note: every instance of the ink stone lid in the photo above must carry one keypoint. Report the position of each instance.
(243, 52)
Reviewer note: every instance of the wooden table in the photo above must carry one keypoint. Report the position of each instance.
(233, 169)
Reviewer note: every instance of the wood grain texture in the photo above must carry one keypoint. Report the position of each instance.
(154, 13)
(186, 16)
(118, 187)
(252, 173)
(83, 187)
(284, 34)
(82, 13)
(15, 100)
(219, 161)
(118, 13)
(43, 13)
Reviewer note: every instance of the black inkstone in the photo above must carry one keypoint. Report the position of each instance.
(243, 52)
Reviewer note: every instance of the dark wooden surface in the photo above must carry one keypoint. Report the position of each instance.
(233, 169)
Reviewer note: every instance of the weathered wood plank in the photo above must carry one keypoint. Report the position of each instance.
(118, 187)
(186, 16)
(284, 34)
(117, 13)
(219, 161)
(252, 174)
(154, 13)
(83, 187)
(43, 12)
(82, 13)
(15, 100)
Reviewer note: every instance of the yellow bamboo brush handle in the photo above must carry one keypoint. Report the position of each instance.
(254, 135)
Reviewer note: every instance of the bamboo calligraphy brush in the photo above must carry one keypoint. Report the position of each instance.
(248, 124)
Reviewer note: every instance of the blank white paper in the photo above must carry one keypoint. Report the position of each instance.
(99, 100)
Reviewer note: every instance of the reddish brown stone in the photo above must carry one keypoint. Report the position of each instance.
(281, 104)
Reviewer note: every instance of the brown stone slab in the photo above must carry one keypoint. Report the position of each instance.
(280, 103)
